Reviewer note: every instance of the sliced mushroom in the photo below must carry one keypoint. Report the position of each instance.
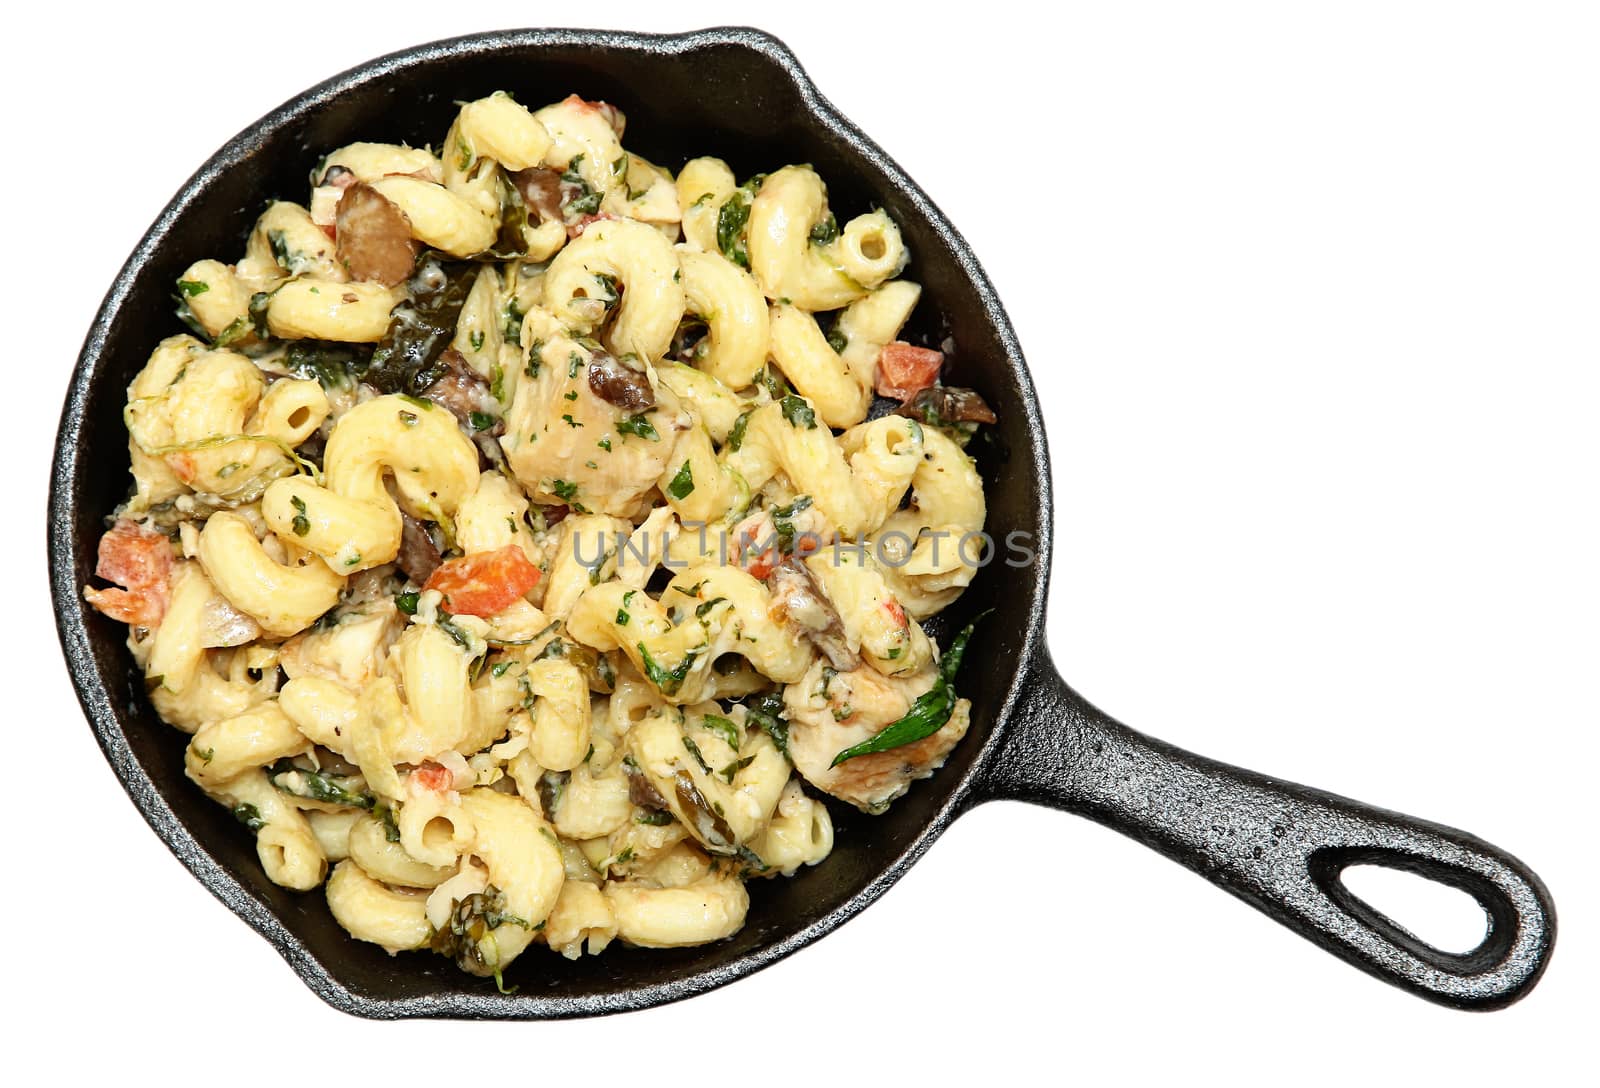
(374, 236)
(941, 404)
(461, 391)
(419, 556)
(708, 824)
(541, 190)
(340, 177)
(641, 792)
(615, 382)
(798, 597)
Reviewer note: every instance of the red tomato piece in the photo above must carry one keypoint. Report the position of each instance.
(140, 562)
(143, 608)
(896, 613)
(134, 557)
(904, 370)
(431, 776)
(483, 584)
(761, 566)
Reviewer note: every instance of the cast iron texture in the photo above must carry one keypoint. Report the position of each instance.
(740, 94)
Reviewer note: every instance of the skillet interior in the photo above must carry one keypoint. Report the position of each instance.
(733, 93)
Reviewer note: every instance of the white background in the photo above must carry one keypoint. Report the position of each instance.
(1310, 297)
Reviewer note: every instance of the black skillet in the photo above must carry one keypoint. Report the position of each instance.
(740, 94)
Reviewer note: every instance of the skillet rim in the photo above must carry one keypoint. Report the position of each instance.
(105, 717)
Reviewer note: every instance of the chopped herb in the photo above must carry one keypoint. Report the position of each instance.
(605, 444)
(407, 359)
(639, 425)
(767, 712)
(476, 340)
(535, 358)
(837, 340)
(191, 288)
(334, 366)
(736, 436)
(481, 421)
(249, 815)
(312, 786)
(701, 610)
(407, 602)
(825, 231)
(587, 200)
(567, 417)
(724, 728)
(653, 818)
(752, 859)
(694, 749)
(457, 635)
(735, 767)
(574, 364)
(668, 681)
(773, 382)
(465, 936)
(571, 394)
(301, 524)
(927, 715)
(564, 490)
(782, 521)
(682, 485)
(385, 815)
(731, 220)
(798, 412)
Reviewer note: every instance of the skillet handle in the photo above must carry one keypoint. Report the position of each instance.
(1278, 846)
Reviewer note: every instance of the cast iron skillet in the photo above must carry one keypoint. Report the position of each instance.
(740, 94)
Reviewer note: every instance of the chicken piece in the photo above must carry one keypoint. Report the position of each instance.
(567, 444)
(349, 649)
(830, 711)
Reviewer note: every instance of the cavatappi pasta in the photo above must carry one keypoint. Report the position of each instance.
(514, 538)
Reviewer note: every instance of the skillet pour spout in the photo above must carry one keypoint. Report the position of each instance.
(740, 94)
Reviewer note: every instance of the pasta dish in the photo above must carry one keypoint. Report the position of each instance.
(529, 538)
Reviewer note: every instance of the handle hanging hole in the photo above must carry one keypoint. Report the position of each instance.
(1445, 917)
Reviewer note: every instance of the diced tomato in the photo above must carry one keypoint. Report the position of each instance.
(483, 584)
(182, 466)
(896, 613)
(140, 562)
(141, 609)
(904, 370)
(756, 564)
(431, 776)
(134, 557)
(761, 566)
